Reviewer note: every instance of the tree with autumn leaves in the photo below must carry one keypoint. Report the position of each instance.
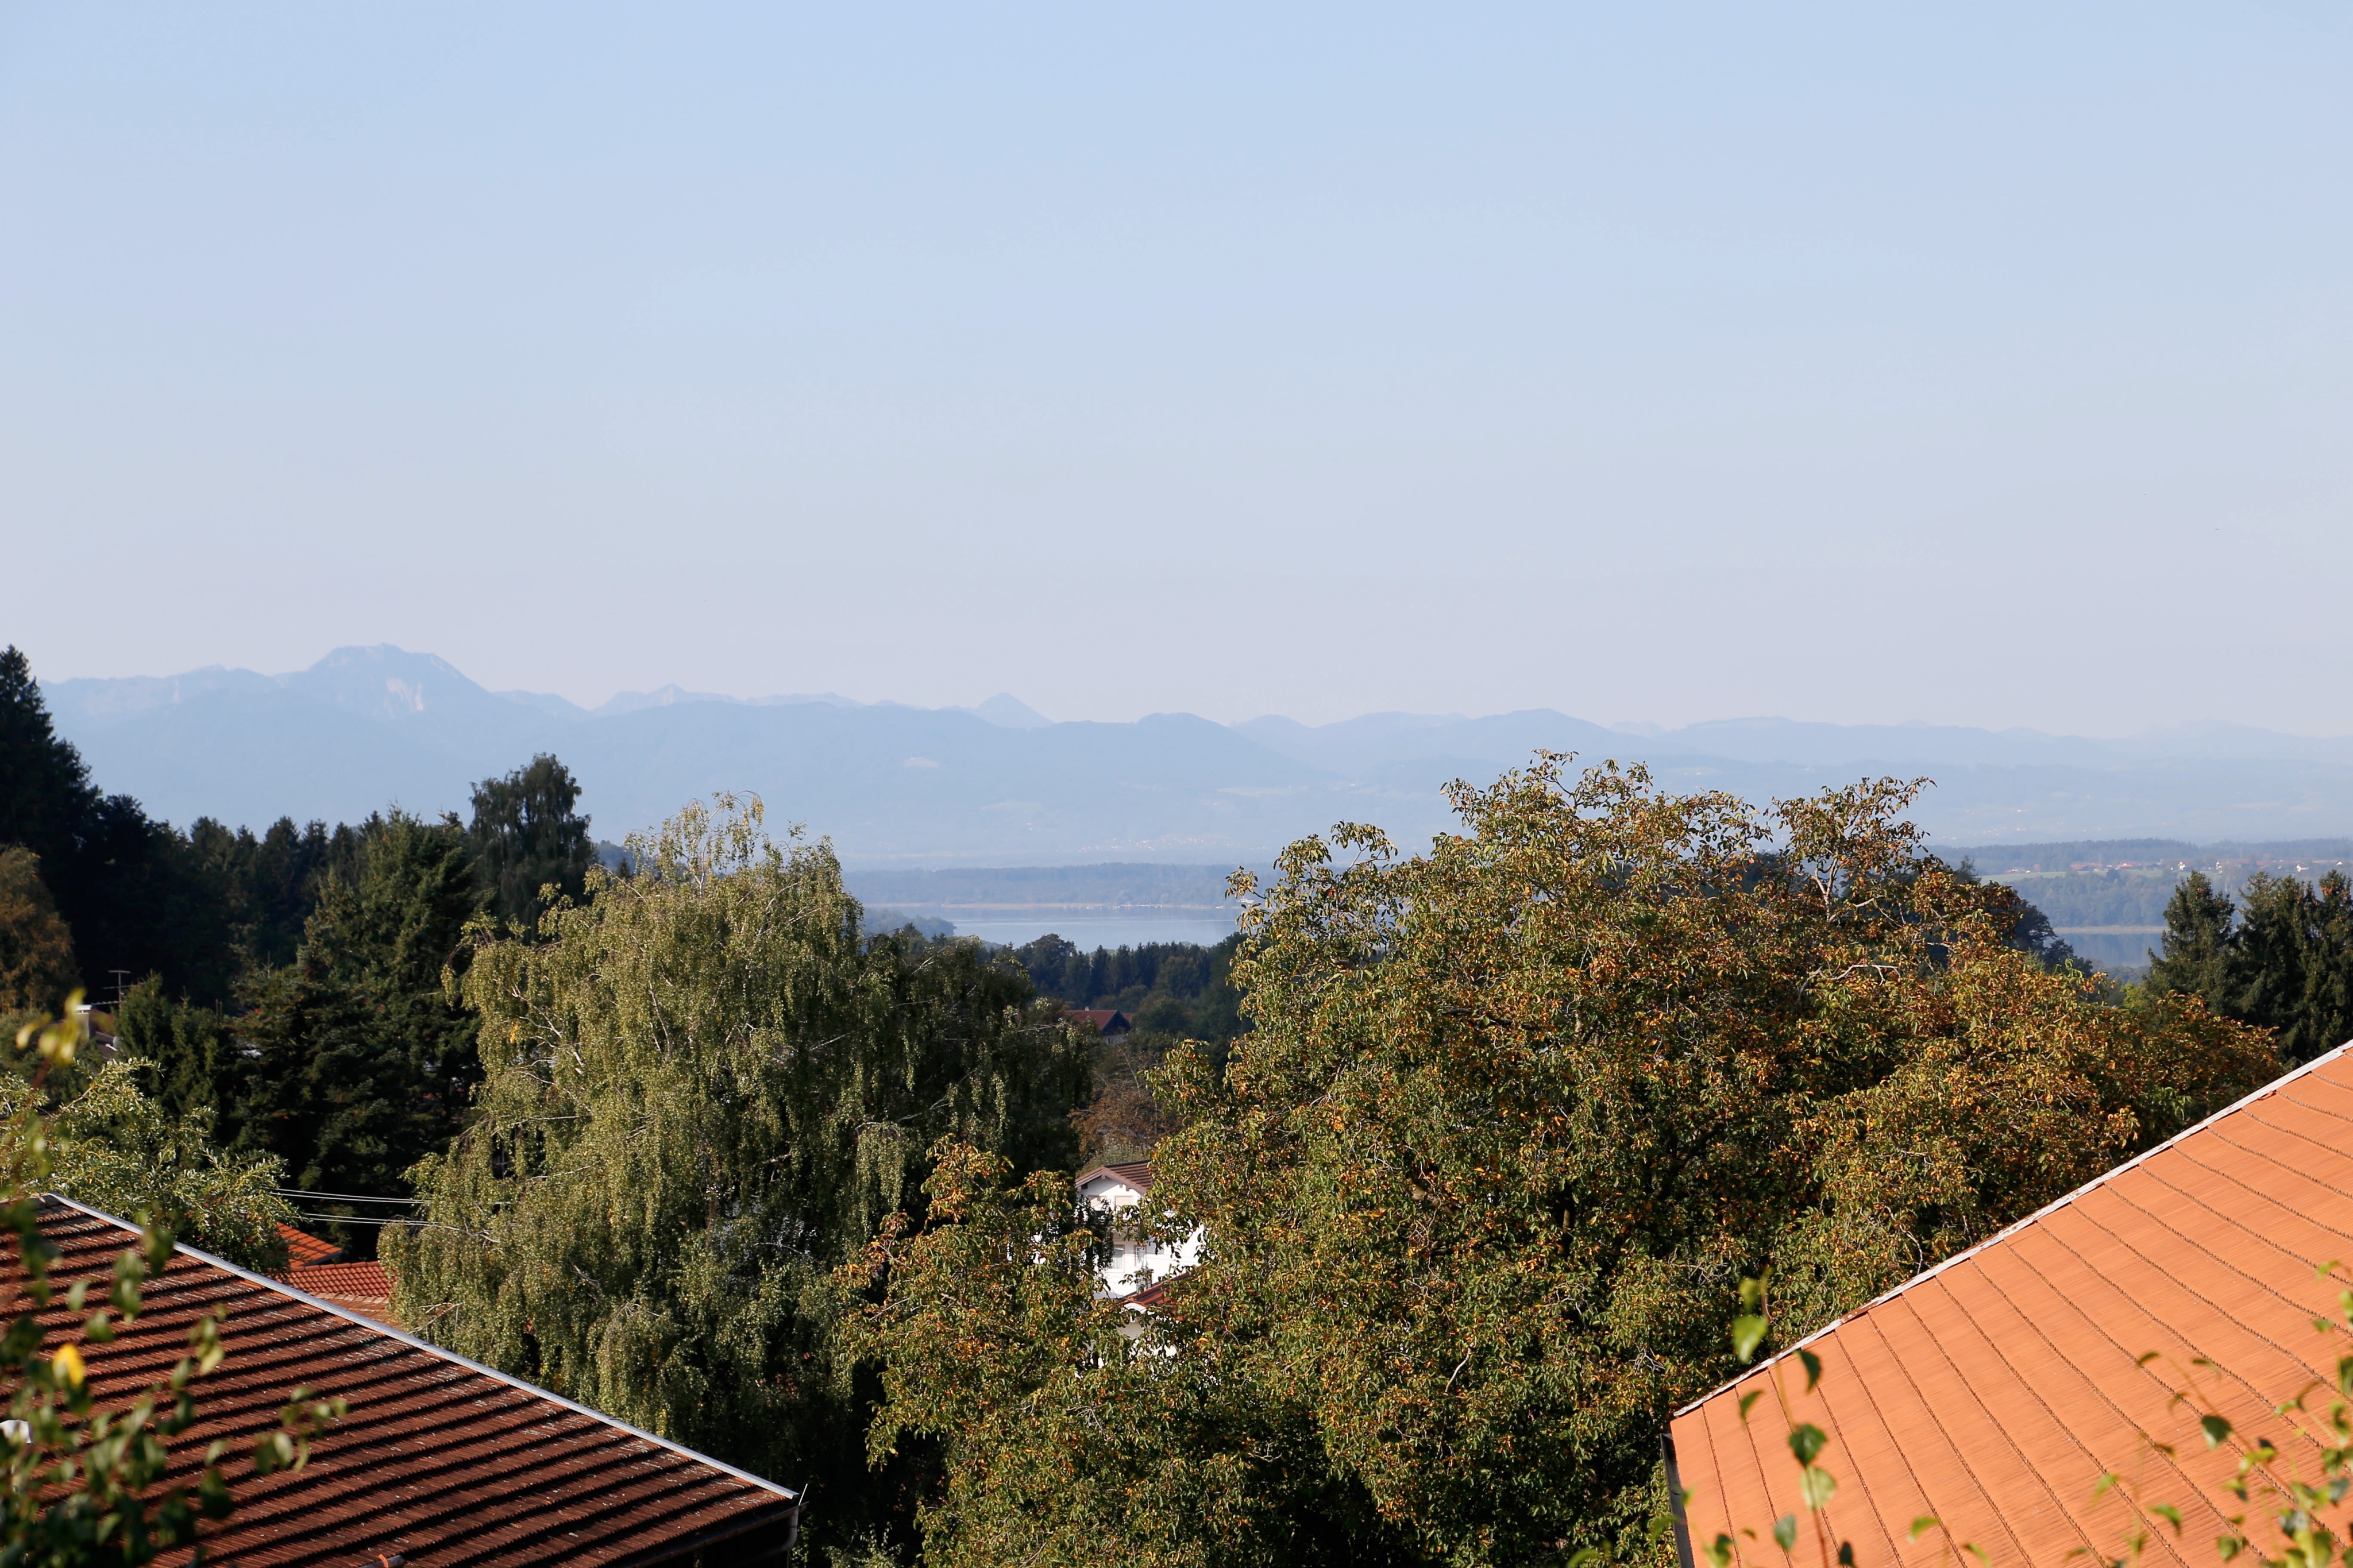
(1514, 1119)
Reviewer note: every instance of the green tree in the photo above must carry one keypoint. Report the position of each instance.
(527, 836)
(114, 1148)
(703, 1090)
(36, 965)
(1076, 1431)
(355, 1060)
(2281, 959)
(44, 788)
(365, 1057)
(1513, 1115)
(123, 883)
(2197, 938)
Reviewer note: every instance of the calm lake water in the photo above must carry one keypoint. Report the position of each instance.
(1090, 929)
(2114, 948)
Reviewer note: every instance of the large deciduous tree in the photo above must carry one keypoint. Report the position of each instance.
(704, 1091)
(1514, 1118)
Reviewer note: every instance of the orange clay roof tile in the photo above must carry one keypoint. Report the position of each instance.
(359, 1281)
(303, 1250)
(1993, 1391)
(440, 1461)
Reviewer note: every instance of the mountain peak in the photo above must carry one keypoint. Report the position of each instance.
(1008, 712)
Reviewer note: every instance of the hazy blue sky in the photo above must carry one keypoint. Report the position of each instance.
(1986, 364)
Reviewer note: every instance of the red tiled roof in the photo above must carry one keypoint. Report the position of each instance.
(441, 1460)
(1993, 1391)
(1100, 1019)
(304, 1249)
(1137, 1176)
(358, 1281)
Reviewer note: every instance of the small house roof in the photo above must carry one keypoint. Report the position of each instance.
(1103, 1020)
(304, 1249)
(1137, 1176)
(1993, 1391)
(441, 1460)
(361, 1281)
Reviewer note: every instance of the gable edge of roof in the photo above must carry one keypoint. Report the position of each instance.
(281, 1288)
(2062, 1201)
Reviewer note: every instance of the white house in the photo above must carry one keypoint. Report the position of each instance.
(1137, 1264)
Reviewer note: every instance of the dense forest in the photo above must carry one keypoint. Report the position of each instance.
(1482, 1139)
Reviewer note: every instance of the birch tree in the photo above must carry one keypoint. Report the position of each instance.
(704, 1090)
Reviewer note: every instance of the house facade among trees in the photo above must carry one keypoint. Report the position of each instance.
(1137, 1263)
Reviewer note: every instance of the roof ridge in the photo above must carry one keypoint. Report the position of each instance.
(2018, 1225)
(283, 1288)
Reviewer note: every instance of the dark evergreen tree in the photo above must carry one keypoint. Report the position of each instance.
(2196, 942)
(352, 1061)
(197, 1060)
(126, 886)
(2263, 963)
(528, 835)
(2328, 965)
(44, 788)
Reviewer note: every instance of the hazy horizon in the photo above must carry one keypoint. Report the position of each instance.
(1986, 368)
(1633, 728)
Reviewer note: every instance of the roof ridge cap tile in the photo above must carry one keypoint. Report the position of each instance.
(281, 1288)
(2014, 1227)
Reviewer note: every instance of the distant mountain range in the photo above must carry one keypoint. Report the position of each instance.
(999, 785)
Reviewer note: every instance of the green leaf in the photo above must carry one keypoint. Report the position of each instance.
(1819, 1485)
(2170, 1514)
(1924, 1524)
(1583, 1555)
(1752, 1295)
(1846, 1555)
(1785, 1531)
(2215, 1427)
(1748, 1334)
(1813, 1368)
(1805, 1441)
(1751, 1397)
(1719, 1552)
(1974, 1550)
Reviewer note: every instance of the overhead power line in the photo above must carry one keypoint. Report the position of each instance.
(339, 1197)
